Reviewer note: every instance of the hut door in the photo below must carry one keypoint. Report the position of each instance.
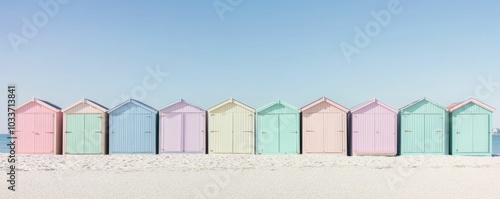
(221, 133)
(334, 133)
(172, 132)
(464, 133)
(385, 135)
(269, 138)
(313, 133)
(481, 134)
(44, 133)
(434, 134)
(363, 134)
(146, 136)
(413, 133)
(121, 125)
(93, 132)
(75, 133)
(243, 135)
(25, 133)
(288, 133)
(193, 132)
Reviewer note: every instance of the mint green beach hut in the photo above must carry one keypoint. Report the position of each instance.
(471, 132)
(423, 129)
(278, 126)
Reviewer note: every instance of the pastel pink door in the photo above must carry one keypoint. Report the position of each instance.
(25, 133)
(44, 133)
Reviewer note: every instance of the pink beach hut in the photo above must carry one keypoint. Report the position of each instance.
(38, 128)
(324, 128)
(374, 129)
(182, 128)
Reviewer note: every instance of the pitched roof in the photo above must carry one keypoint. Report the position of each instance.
(358, 107)
(229, 101)
(420, 100)
(182, 101)
(136, 102)
(89, 102)
(41, 102)
(277, 102)
(324, 99)
(456, 106)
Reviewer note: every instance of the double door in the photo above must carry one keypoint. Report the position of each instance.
(231, 133)
(183, 132)
(83, 133)
(324, 133)
(278, 133)
(133, 133)
(472, 133)
(36, 134)
(374, 133)
(422, 133)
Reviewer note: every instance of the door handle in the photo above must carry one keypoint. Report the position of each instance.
(98, 132)
(408, 131)
(69, 132)
(49, 132)
(309, 131)
(147, 132)
(264, 132)
(355, 132)
(248, 131)
(294, 132)
(458, 132)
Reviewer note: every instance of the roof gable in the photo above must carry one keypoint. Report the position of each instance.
(423, 100)
(324, 99)
(232, 101)
(278, 102)
(373, 101)
(456, 106)
(88, 102)
(43, 103)
(138, 103)
(182, 101)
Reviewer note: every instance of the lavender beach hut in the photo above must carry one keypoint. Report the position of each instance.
(182, 128)
(374, 129)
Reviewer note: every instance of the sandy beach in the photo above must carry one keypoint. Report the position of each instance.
(254, 176)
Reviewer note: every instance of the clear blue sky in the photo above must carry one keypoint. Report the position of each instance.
(259, 52)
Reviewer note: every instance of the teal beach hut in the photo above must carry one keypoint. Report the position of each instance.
(471, 132)
(278, 126)
(423, 129)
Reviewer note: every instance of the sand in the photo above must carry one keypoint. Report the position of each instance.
(254, 176)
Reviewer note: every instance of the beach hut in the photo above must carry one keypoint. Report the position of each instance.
(324, 127)
(374, 129)
(85, 126)
(278, 129)
(132, 128)
(38, 128)
(231, 128)
(182, 128)
(471, 128)
(423, 128)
